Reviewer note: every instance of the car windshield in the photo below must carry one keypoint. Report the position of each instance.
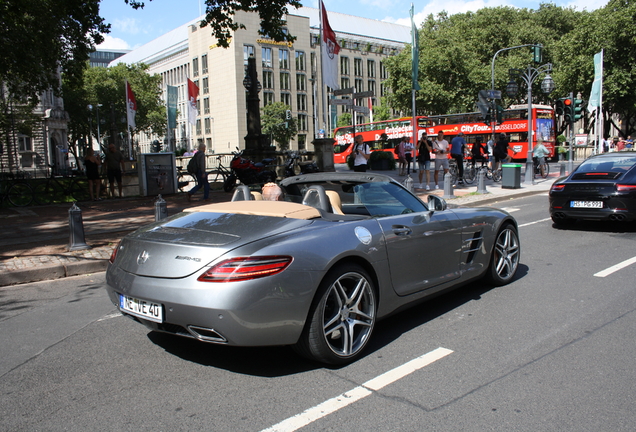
(617, 163)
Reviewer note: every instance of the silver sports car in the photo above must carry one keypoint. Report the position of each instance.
(315, 270)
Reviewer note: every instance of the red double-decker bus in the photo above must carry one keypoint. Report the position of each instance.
(387, 134)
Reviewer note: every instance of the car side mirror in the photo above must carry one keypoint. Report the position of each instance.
(436, 203)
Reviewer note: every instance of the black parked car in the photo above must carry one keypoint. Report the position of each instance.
(603, 187)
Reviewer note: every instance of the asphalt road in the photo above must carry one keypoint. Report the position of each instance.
(553, 351)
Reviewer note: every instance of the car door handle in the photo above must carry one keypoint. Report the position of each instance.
(401, 230)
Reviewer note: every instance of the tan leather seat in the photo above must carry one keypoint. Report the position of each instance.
(334, 200)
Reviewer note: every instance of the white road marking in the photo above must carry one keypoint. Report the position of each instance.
(511, 209)
(334, 404)
(109, 316)
(535, 222)
(615, 268)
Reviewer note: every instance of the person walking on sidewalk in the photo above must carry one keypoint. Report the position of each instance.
(92, 164)
(114, 168)
(362, 153)
(401, 153)
(424, 158)
(440, 150)
(201, 175)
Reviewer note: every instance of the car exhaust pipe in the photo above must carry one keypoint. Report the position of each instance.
(559, 215)
(206, 334)
(617, 217)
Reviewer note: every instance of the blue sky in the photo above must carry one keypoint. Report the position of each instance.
(132, 28)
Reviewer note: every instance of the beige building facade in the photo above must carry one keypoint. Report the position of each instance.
(288, 73)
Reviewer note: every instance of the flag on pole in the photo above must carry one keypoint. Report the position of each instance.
(193, 93)
(131, 106)
(330, 50)
(172, 96)
(595, 95)
(370, 104)
(415, 52)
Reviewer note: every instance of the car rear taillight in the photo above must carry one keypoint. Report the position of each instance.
(625, 188)
(557, 188)
(114, 254)
(245, 268)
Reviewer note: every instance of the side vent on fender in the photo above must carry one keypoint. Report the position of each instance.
(472, 245)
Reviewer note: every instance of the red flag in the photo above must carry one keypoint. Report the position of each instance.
(131, 106)
(193, 93)
(330, 50)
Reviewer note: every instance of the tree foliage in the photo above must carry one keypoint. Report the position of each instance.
(219, 15)
(456, 57)
(274, 124)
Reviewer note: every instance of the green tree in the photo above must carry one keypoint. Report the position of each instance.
(219, 15)
(344, 120)
(275, 124)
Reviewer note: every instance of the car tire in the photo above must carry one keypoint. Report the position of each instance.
(342, 317)
(504, 259)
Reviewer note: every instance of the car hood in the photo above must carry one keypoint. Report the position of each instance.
(188, 242)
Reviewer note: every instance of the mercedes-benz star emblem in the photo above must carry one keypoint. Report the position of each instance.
(143, 257)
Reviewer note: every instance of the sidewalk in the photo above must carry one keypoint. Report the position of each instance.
(34, 241)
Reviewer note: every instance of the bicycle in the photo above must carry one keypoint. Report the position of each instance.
(537, 168)
(18, 193)
(184, 179)
(59, 189)
(470, 174)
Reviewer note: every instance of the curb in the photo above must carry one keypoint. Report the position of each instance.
(52, 271)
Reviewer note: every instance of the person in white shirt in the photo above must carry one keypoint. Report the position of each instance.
(440, 149)
(362, 152)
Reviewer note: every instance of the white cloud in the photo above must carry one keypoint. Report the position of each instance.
(113, 43)
(127, 25)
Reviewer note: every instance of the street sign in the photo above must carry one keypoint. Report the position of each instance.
(343, 91)
(365, 94)
(494, 94)
(341, 101)
(363, 110)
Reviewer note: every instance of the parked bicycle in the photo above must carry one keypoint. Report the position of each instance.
(542, 169)
(470, 173)
(17, 192)
(61, 189)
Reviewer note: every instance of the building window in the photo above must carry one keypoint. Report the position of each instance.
(301, 102)
(285, 98)
(357, 67)
(268, 98)
(300, 60)
(284, 81)
(384, 73)
(206, 106)
(268, 79)
(302, 142)
(359, 85)
(248, 51)
(267, 57)
(301, 82)
(206, 87)
(195, 66)
(345, 108)
(198, 105)
(302, 122)
(344, 82)
(283, 59)
(198, 127)
(344, 65)
(382, 90)
(204, 64)
(371, 86)
(206, 124)
(24, 144)
(371, 68)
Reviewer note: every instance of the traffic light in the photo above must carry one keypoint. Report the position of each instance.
(578, 109)
(500, 111)
(568, 110)
(560, 106)
(488, 116)
(537, 53)
(288, 115)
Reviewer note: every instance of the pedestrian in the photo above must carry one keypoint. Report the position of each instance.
(424, 148)
(629, 143)
(200, 174)
(362, 153)
(402, 156)
(408, 154)
(92, 164)
(458, 146)
(620, 144)
(501, 150)
(440, 150)
(479, 152)
(114, 169)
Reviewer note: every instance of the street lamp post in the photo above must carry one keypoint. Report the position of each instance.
(547, 86)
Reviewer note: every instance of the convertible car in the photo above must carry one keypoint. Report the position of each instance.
(315, 270)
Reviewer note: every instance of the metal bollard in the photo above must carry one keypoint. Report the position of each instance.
(161, 209)
(562, 167)
(408, 183)
(481, 182)
(76, 227)
(448, 186)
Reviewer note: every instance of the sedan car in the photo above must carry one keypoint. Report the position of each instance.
(315, 270)
(603, 187)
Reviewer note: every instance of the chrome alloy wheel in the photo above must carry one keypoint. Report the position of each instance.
(506, 254)
(349, 314)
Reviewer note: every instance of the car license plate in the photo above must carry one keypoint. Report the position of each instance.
(141, 308)
(586, 204)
